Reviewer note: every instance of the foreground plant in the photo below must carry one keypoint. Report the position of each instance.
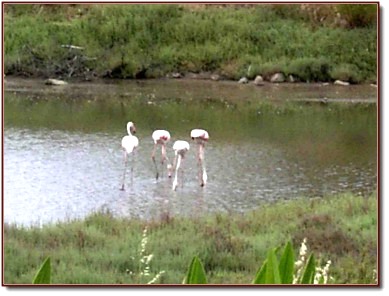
(43, 276)
(196, 273)
(143, 270)
(321, 274)
(275, 271)
(283, 270)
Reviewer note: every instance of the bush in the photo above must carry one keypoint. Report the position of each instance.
(269, 68)
(310, 69)
(346, 72)
(152, 40)
(359, 15)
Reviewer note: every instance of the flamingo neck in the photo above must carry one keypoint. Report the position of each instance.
(163, 148)
(175, 181)
(201, 151)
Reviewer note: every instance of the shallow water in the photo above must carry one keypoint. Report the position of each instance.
(257, 154)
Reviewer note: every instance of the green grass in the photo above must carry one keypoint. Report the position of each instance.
(149, 41)
(102, 249)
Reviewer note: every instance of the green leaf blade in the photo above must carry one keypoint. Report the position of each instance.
(309, 272)
(260, 277)
(272, 271)
(286, 266)
(196, 273)
(43, 275)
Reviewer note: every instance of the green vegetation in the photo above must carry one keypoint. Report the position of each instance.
(272, 271)
(311, 42)
(102, 249)
(43, 275)
(196, 273)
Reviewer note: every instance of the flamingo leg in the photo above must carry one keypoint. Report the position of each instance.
(202, 170)
(182, 172)
(155, 163)
(163, 151)
(198, 164)
(125, 169)
(164, 157)
(132, 167)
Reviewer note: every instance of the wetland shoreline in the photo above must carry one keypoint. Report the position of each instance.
(199, 89)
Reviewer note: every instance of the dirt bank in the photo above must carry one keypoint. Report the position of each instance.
(192, 89)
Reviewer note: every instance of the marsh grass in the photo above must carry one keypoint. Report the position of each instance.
(100, 248)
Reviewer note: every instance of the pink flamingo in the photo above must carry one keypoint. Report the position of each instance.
(180, 148)
(201, 137)
(129, 144)
(161, 137)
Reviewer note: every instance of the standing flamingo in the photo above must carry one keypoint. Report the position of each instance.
(129, 144)
(161, 137)
(180, 148)
(200, 136)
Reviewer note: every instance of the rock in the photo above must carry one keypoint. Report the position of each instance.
(176, 75)
(291, 78)
(340, 82)
(215, 77)
(258, 80)
(52, 81)
(191, 75)
(243, 80)
(277, 77)
(72, 46)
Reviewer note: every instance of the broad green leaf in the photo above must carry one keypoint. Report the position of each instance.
(309, 272)
(272, 271)
(286, 266)
(196, 273)
(260, 277)
(43, 275)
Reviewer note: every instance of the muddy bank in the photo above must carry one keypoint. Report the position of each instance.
(194, 89)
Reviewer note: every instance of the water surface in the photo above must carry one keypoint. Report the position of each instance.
(63, 160)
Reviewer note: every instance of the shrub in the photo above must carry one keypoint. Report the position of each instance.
(151, 40)
(310, 69)
(346, 72)
(269, 68)
(359, 15)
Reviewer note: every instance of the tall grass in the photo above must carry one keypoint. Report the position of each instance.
(103, 249)
(143, 41)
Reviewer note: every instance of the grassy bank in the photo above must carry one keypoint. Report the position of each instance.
(105, 250)
(310, 42)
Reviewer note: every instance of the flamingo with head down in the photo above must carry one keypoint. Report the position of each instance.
(200, 137)
(161, 137)
(180, 148)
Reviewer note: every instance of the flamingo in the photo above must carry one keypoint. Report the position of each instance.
(129, 144)
(180, 148)
(201, 137)
(161, 137)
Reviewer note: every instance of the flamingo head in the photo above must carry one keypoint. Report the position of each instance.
(131, 128)
(169, 170)
(204, 178)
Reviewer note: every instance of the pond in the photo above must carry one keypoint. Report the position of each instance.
(63, 159)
